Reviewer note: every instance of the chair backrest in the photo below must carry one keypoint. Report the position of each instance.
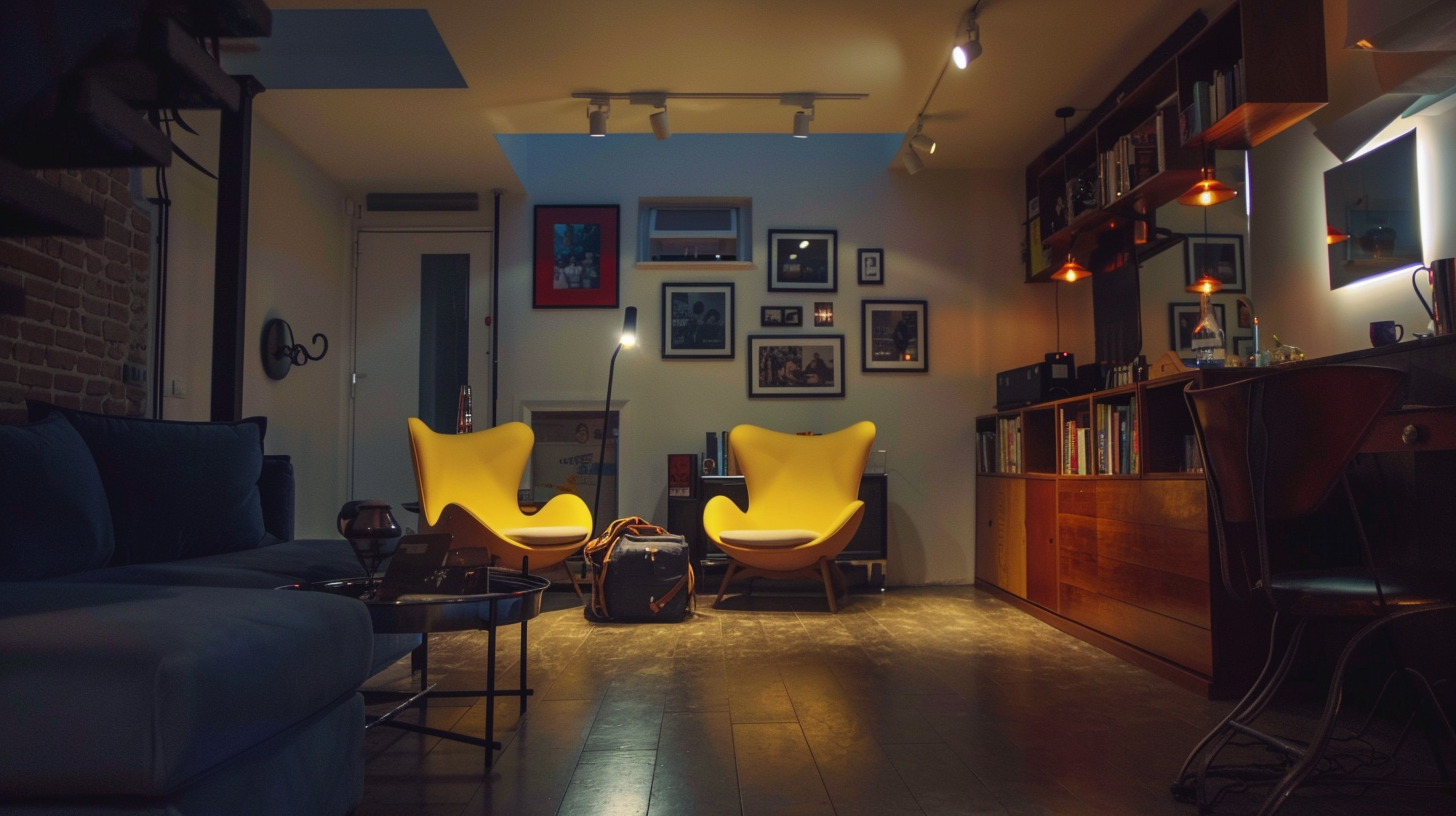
(480, 471)
(801, 481)
(1275, 445)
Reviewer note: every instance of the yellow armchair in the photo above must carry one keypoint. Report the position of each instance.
(803, 505)
(468, 486)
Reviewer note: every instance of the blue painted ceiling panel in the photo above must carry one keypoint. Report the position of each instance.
(350, 49)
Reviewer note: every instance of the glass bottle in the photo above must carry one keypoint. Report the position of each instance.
(1208, 350)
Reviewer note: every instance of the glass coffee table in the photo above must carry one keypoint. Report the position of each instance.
(512, 598)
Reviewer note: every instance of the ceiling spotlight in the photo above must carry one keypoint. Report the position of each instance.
(801, 123)
(596, 116)
(968, 41)
(919, 139)
(660, 128)
(912, 161)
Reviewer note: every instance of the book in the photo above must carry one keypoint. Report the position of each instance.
(682, 475)
(710, 455)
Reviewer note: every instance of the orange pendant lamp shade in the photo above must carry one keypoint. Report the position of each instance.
(1205, 285)
(1071, 272)
(1207, 192)
(1334, 236)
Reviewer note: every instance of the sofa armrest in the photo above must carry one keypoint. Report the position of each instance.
(275, 491)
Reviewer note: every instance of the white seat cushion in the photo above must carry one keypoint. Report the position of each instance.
(767, 539)
(546, 536)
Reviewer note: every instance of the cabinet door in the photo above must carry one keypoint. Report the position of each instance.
(1001, 533)
(1041, 543)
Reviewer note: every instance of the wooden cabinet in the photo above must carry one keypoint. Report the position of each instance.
(1121, 553)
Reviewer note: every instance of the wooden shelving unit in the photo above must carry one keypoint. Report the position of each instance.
(1278, 47)
(1124, 555)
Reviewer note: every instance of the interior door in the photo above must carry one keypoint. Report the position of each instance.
(422, 308)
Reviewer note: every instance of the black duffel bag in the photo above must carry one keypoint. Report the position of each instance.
(640, 572)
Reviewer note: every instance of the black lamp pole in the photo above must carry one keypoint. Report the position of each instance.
(629, 338)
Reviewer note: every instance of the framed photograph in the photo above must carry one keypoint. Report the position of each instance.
(1219, 256)
(576, 257)
(697, 321)
(1243, 347)
(803, 260)
(1246, 320)
(788, 365)
(871, 266)
(893, 335)
(781, 316)
(1182, 320)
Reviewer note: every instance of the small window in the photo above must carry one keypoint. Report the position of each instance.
(697, 231)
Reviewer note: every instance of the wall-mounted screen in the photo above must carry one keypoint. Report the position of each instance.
(1375, 200)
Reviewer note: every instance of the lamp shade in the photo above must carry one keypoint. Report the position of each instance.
(1070, 272)
(1334, 236)
(1207, 192)
(1206, 284)
(629, 327)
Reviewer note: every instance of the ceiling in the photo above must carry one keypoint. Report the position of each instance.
(521, 61)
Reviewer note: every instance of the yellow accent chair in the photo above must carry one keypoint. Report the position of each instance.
(803, 505)
(468, 485)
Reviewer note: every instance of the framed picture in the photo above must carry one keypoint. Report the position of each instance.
(781, 316)
(697, 321)
(1243, 347)
(893, 335)
(1182, 320)
(803, 261)
(576, 257)
(1219, 256)
(871, 266)
(788, 365)
(1246, 319)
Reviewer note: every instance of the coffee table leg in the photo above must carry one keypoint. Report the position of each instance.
(523, 666)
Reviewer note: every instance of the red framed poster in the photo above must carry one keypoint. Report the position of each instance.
(577, 262)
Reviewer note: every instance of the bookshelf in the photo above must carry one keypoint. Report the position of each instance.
(1104, 531)
(1256, 69)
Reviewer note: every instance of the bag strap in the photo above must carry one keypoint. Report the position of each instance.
(687, 580)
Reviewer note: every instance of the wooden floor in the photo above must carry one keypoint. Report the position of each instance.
(914, 701)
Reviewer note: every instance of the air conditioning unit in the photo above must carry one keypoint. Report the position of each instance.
(693, 233)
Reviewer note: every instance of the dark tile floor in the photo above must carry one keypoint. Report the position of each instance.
(915, 701)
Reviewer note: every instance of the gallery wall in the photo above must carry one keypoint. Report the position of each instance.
(949, 238)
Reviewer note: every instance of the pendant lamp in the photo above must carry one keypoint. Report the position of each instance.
(1208, 191)
(1334, 236)
(1071, 271)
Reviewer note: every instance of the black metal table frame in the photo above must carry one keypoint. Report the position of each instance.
(420, 661)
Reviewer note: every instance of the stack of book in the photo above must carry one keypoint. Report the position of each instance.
(1133, 159)
(1212, 100)
(1117, 438)
(999, 451)
(1077, 446)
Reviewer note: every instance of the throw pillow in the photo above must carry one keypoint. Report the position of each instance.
(53, 514)
(176, 489)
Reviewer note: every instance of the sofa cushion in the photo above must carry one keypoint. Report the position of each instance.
(136, 690)
(176, 489)
(55, 517)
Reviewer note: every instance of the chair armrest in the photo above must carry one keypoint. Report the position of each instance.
(721, 513)
(563, 510)
(844, 517)
(275, 494)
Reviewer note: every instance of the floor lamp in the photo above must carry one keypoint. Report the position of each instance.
(629, 338)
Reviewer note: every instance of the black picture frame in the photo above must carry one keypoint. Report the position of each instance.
(1243, 346)
(1183, 319)
(795, 366)
(1218, 255)
(894, 335)
(803, 260)
(775, 316)
(698, 321)
(576, 257)
(871, 267)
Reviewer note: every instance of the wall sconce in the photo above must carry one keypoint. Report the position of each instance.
(824, 313)
(279, 351)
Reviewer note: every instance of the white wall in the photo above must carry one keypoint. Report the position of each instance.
(949, 238)
(299, 269)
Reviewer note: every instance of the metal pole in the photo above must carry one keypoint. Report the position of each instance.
(606, 427)
(235, 150)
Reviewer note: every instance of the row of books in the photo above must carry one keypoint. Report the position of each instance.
(718, 458)
(999, 451)
(1212, 100)
(1192, 456)
(1117, 438)
(1133, 159)
(1076, 447)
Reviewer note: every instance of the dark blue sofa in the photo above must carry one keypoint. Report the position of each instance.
(148, 664)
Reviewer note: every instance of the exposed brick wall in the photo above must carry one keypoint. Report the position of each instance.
(85, 307)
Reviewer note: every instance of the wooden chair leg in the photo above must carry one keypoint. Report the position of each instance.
(824, 567)
(732, 567)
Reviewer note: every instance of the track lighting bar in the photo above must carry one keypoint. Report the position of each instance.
(599, 105)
